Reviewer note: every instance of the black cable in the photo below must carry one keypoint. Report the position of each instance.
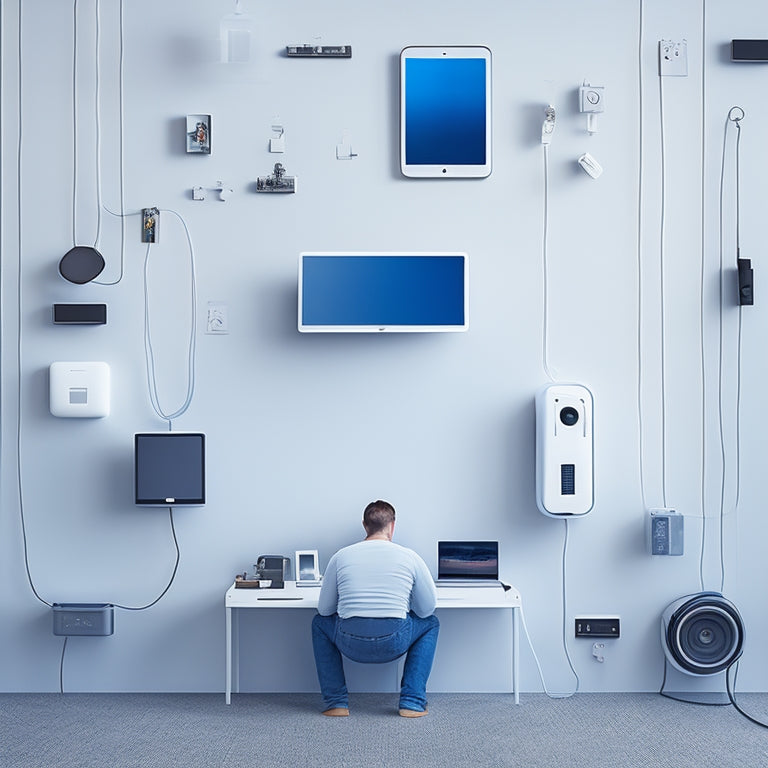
(173, 575)
(61, 666)
(732, 695)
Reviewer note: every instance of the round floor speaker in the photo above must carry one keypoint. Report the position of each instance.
(702, 634)
(81, 264)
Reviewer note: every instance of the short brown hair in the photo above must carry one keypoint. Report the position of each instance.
(377, 516)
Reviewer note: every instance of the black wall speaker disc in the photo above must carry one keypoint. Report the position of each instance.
(705, 634)
(81, 264)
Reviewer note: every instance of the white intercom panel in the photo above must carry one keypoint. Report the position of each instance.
(79, 390)
(564, 450)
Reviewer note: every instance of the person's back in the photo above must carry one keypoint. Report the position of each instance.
(377, 579)
(376, 604)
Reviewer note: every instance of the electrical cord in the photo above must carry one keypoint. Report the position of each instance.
(121, 101)
(702, 283)
(662, 294)
(735, 116)
(545, 269)
(61, 665)
(565, 643)
(640, 180)
(732, 694)
(173, 573)
(148, 349)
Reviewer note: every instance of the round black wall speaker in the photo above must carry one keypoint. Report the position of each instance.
(702, 634)
(81, 264)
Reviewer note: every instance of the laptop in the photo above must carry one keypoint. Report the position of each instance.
(467, 564)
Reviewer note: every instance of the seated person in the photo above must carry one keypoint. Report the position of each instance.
(377, 603)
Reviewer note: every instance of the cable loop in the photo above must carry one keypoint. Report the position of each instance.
(732, 111)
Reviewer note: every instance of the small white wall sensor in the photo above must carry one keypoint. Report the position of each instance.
(590, 165)
(564, 450)
(79, 390)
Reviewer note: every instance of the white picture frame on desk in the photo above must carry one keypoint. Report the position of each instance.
(307, 567)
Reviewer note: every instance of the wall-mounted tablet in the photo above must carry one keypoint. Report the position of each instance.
(445, 111)
(343, 292)
(169, 469)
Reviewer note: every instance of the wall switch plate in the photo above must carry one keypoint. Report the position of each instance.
(673, 58)
(217, 322)
(597, 626)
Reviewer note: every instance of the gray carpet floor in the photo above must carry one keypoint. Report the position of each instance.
(472, 730)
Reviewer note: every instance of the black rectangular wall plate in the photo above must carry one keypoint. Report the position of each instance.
(80, 314)
(597, 626)
(749, 50)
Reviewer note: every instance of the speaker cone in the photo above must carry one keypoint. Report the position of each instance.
(703, 634)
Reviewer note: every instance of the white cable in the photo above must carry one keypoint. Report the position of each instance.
(565, 644)
(545, 268)
(98, 124)
(662, 265)
(121, 100)
(702, 280)
(75, 127)
(148, 349)
(565, 608)
(640, 424)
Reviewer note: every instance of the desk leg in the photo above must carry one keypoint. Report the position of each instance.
(516, 655)
(228, 686)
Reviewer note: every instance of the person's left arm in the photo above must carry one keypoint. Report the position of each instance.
(328, 601)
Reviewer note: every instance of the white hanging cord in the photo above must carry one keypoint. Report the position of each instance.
(121, 98)
(148, 349)
(545, 269)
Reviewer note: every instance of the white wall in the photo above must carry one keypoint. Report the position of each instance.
(303, 431)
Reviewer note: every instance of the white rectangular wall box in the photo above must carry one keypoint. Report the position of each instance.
(564, 451)
(79, 390)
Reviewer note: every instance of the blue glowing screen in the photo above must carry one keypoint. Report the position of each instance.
(382, 290)
(445, 111)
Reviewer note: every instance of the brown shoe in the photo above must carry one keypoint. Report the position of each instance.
(337, 712)
(412, 713)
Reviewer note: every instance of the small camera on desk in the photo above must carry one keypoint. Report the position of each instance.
(273, 568)
(269, 572)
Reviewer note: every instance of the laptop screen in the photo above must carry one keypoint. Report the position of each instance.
(468, 560)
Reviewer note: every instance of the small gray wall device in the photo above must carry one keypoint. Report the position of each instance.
(665, 532)
(564, 450)
(89, 619)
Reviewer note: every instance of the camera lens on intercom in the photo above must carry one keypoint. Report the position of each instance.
(569, 416)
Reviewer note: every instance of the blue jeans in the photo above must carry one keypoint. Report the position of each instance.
(374, 641)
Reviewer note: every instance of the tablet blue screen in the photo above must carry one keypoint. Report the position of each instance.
(445, 111)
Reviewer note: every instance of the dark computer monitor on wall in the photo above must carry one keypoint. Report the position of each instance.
(169, 469)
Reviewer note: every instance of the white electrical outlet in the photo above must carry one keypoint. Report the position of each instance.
(673, 58)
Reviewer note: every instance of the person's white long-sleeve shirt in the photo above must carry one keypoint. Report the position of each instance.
(377, 579)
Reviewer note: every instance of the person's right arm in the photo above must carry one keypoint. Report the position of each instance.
(424, 593)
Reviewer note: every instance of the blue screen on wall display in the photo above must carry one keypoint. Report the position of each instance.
(169, 468)
(383, 292)
(445, 126)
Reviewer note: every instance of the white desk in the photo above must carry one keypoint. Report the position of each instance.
(292, 596)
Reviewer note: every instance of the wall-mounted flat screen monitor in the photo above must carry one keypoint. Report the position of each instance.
(169, 469)
(373, 292)
(445, 111)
